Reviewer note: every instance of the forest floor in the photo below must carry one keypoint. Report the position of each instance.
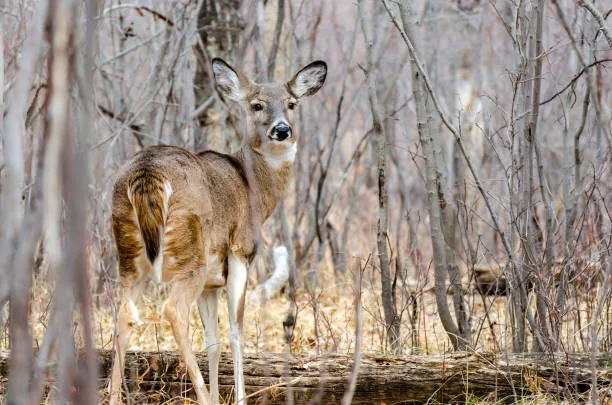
(325, 322)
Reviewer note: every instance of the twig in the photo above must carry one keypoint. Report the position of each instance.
(130, 49)
(574, 79)
(123, 118)
(139, 9)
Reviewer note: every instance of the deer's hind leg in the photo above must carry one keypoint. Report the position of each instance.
(133, 267)
(176, 310)
(183, 258)
(127, 319)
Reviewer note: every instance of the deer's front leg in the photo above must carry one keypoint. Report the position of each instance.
(236, 289)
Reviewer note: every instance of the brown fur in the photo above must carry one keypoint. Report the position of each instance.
(209, 197)
(201, 185)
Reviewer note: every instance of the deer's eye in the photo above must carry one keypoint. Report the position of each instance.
(291, 105)
(257, 106)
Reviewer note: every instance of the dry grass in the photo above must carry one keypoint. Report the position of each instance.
(325, 321)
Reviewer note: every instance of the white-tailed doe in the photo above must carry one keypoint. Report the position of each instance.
(189, 219)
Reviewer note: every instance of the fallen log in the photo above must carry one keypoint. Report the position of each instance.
(155, 377)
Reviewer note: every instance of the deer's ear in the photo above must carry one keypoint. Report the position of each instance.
(309, 79)
(230, 82)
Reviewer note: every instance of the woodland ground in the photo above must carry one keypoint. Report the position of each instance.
(325, 322)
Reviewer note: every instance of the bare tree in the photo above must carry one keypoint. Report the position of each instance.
(17, 245)
(442, 216)
(388, 293)
(66, 169)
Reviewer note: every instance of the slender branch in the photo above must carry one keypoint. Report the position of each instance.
(507, 26)
(131, 49)
(599, 18)
(139, 8)
(123, 118)
(347, 398)
(323, 177)
(445, 120)
(336, 135)
(574, 79)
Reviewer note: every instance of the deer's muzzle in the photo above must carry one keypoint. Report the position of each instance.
(280, 132)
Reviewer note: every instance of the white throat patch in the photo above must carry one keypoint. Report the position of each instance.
(275, 161)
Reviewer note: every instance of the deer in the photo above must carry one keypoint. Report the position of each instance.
(190, 219)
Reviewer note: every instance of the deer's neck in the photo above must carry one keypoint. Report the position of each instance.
(268, 176)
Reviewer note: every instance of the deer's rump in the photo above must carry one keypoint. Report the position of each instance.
(163, 204)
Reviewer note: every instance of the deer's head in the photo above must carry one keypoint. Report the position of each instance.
(271, 107)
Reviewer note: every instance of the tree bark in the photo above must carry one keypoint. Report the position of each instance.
(392, 321)
(17, 240)
(153, 376)
(528, 93)
(459, 336)
(219, 26)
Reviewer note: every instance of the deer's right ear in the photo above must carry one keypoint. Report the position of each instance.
(230, 82)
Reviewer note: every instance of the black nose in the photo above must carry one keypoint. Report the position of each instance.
(281, 131)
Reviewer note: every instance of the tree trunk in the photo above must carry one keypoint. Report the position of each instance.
(528, 87)
(219, 26)
(392, 321)
(158, 376)
(459, 337)
(17, 240)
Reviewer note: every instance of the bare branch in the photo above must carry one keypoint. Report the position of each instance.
(574, 79)
(131, 49)
(599, 18)
(139, 9)
(391, 317)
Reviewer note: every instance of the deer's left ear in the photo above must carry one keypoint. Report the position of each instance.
(309, 79)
